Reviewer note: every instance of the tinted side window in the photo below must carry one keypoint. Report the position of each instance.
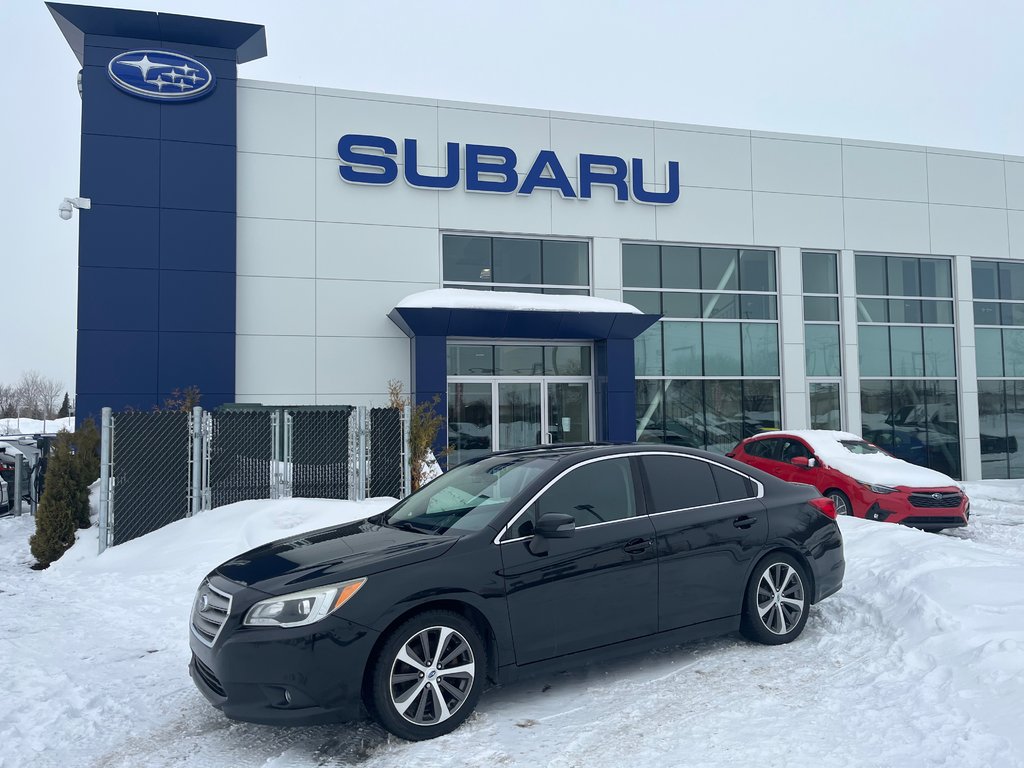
(677, 482)
(731, 485)
(761, 448)
(594, 493)
(792, 449)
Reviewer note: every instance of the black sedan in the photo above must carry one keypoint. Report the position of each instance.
(513, 563)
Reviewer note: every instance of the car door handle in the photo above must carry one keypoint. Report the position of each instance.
(637, 546)
(744, 521)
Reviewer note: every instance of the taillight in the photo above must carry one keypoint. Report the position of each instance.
(825, 506)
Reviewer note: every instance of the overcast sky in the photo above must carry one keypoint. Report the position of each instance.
(933, 72)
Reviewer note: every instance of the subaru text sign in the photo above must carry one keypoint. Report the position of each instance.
(373, 160)
(160, 75)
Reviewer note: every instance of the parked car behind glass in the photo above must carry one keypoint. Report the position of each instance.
(510, 564)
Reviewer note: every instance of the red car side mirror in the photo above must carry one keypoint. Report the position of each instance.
(800, 461)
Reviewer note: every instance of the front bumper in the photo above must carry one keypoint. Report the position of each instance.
(924, 519)
(285, 676)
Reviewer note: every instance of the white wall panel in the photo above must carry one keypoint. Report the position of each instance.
(484, 212)
(525, 134)
(397, 203)
(791, 281)
(275, 247)
(805, 167)
(569, 138)
(360, 365)
(276, 122)
(336, 116)
(705, 159)
(602, 216)
(961, 180)
(360, 307)
(882, 225)
(282, 306)
(708, 216)
(1015, 220)
(276, 186)
(283, 365)
(607, 263)
(972, 231)
(885, 174)
(378, 252)
(1014, 184)
(807, 221)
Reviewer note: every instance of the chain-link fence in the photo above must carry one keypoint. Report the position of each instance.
(159, 467)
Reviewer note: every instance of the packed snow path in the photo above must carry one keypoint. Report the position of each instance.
(918, 661)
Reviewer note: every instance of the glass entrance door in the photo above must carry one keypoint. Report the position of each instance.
(519, 414)
(568, 412)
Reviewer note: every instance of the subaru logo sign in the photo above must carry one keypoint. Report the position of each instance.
(160, 75)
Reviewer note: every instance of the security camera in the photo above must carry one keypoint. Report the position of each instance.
(66, 208)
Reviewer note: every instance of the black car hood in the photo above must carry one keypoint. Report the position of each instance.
(331, 554)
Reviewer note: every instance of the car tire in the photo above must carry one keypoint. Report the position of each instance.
(777, 601)
(416, 698)
(841, 501)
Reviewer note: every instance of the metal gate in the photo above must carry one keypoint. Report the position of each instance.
(318, 438)
(239, 455)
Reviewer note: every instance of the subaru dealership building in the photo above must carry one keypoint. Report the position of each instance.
(550, 276)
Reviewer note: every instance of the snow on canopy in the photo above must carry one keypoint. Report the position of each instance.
(879, 468)
(463, 298)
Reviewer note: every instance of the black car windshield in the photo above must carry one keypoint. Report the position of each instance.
(470, 497)
(859, 447)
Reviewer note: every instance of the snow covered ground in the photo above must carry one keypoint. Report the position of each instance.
(35, 426)
(918, 661)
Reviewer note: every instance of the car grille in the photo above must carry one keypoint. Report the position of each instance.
(209, 612)
(912, 521)
(207, 676)
(936, 500)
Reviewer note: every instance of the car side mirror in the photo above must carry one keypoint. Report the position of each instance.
(801, 461)
(551, 526)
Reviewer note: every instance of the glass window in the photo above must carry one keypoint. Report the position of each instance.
(1013, 352)
(821, 308)
(593, 493)
(1014, 442)
(762, 449)
(1011, 314)
(681, 304)
(792, 449)
(821, 350)
(683, 350)
(470, 360)
(936, 277)
(873, 350)
(986, 313)
(677, 482)
(723, 409)
(722, 349)
(989, 351)
(876, 412)
(684, 413)
(467, 259)
(762, 407)
(757, 270)
(518, 361)
(820, 274)
(907, 351)
(939, 356)
(680, 267)
(650, 412)
(567, 360)
(719, 269)
(872, 311)
(732, 486)
(648, 302)
(760, 349)
(566, 262)
(566, 291)
(516, 260)
(721, 306)
(992, 419)
(826, 404)
(1011, 281)
(985, 276)
(647, 352)
(904, 311)
(469, 420)
(641, 266)
(937, 312)
(871, 275)
(756, 307)
(904, 276)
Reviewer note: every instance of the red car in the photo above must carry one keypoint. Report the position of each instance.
(861, 479)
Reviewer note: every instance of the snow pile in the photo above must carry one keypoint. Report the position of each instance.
(36, 426)
(918, 661)
(879, 468)
(462, 298)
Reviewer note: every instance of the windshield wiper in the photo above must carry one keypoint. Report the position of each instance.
(408, 525)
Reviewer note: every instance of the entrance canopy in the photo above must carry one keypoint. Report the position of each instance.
(430, 318)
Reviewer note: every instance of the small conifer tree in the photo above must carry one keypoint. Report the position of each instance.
(87, 452)
(61, 509)
(65, 408)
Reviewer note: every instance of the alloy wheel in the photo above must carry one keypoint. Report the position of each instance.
(780, 598)
(840, 504)
(431, 676)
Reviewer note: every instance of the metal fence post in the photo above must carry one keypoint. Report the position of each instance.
(18, 475)
(406, 450)
(206, 496)
(275, 454)
(196, 459)
(104, 477)
(286, 456)
(361, 416)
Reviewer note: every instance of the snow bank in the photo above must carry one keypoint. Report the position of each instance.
(35, 426)
(461, 298)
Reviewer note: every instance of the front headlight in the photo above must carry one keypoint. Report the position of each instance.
(301, 608)
(875, 488)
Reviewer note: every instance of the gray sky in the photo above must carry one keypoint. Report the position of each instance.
(933, 72)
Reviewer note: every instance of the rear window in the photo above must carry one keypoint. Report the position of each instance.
(677, 482)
